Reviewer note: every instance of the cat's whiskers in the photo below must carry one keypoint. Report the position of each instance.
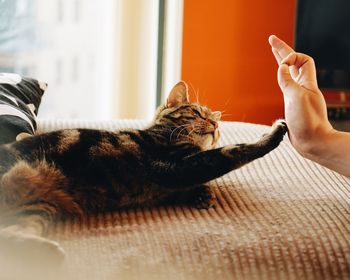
(195, 92)
(178, 135)
(189, 134)
(226, 115)
(177, 128)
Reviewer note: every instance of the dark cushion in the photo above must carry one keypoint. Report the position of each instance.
(20, 99)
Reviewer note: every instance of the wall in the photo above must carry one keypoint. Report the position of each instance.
(227, 58)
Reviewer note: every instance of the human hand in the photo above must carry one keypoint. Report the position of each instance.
(304, 104)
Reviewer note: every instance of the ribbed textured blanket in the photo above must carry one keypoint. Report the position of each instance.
(279, 217)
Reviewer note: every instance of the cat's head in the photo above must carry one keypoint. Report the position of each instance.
(187, 121)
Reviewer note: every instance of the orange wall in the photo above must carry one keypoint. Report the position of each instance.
(227, 57)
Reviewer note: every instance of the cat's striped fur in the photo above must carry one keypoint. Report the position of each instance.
(69, 173)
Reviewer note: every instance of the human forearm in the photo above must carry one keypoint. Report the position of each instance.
(332, 151)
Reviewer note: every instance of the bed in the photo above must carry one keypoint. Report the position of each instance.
(279, 217)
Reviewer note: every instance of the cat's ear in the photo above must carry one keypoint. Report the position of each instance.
(216, 116)
(178, 95)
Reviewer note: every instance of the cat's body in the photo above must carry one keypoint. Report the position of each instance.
(99, 170)
(67, 173)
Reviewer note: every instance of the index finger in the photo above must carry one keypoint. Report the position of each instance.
(279, 48)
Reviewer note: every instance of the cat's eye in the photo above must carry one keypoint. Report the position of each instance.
(198, 113)
(176, 115)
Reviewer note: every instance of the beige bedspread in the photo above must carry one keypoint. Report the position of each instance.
(280, 217)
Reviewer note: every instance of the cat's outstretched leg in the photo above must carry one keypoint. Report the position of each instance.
(204, 166)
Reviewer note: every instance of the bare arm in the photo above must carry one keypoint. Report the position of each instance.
(334, 153)
(310, 132)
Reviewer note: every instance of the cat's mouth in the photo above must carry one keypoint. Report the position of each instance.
(212, 138)
(215, 136)
(212, 131)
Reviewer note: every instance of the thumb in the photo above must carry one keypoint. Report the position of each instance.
(285, 80)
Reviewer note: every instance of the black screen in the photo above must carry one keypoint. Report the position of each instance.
(323, 32)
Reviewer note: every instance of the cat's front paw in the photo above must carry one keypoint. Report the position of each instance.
(281, 126)
(275, 136)
(203, 197)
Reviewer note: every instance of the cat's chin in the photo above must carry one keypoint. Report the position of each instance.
(210, 141)
(216, 136)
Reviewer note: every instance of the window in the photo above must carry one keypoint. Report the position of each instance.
(99, 58)
(77, 11)
(49, 40)
(59, 10)
(75, 69)
(58, 72)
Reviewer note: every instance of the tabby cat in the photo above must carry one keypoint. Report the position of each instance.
(78, 172)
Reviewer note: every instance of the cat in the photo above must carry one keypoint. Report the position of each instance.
(77, 172)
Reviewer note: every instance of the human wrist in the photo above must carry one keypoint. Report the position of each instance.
(334, 153)
(310, 142)
(319, 147)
